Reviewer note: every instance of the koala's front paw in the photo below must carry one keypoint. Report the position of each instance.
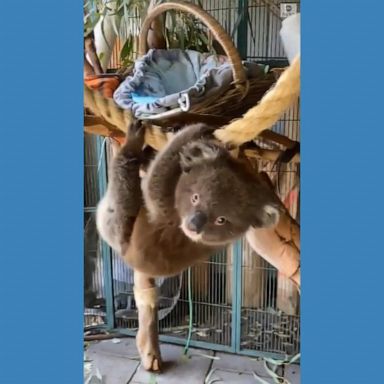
(135, 136)
(207, 130)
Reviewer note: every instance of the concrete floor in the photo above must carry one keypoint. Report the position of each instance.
(117, 362)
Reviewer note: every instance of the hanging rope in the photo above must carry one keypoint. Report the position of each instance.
(269, 110)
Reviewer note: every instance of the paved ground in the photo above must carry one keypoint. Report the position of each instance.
(117, 362)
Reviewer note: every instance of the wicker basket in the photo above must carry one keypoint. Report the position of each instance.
(242, 95)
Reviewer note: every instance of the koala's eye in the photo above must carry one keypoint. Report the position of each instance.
(221, 220)
(195, 199)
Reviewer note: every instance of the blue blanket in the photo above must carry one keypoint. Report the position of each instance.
(163, 80)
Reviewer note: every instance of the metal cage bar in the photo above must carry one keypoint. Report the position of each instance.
(105, 249)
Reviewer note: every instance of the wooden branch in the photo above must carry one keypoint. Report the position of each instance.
(90, 120)
(104, 336)
(98, 126)
(184, 118)
(276, 250)
(277, 138)
(268, 154)
(279, 246)
(98, 129)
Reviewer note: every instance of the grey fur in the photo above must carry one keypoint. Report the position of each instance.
(191, 163)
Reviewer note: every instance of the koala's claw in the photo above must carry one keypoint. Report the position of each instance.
(136, 130)
(136, 125)
(135, 136)
(207, 130)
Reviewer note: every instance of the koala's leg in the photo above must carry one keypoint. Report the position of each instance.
(117, 210)
(147, 339)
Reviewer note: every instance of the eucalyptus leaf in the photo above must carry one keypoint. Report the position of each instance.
(126, 50)
(203, 37)
(180, 29)
(237, 22)
(181, 38)
(120, 5)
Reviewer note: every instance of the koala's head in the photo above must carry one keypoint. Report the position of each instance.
(218, 198)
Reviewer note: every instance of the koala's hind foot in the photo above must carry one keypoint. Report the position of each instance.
(148, 346)
(147, 339)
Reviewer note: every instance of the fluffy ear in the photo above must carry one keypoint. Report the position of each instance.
(270, 216)
(267, 207)
(266, 216)
(197, 153)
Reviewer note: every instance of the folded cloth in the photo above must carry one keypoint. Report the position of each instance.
(163, 80)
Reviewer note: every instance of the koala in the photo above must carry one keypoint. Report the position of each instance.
(194, 199)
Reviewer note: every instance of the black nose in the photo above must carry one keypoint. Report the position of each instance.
(196, 221)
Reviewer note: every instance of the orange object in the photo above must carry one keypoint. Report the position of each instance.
(119, 139)
(106, 85)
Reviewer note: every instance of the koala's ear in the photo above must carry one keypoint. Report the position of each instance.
(271, 216)
(267, 217)
(197, 153)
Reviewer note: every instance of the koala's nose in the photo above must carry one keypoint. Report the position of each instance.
(197, 221)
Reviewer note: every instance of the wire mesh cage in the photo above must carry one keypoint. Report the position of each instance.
(240, 303)
(94, 300)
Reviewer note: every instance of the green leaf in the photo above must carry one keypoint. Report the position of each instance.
(152, 379)
(127, 49)
(101, 55)
(237, 23)
(203, 37)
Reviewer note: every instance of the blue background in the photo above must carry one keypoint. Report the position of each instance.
(41, 192)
